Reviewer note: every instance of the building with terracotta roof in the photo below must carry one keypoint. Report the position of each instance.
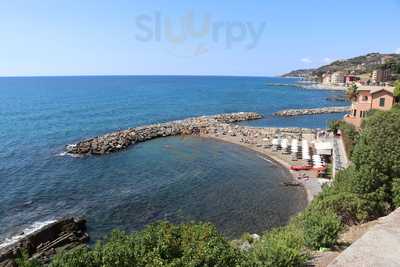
(370, 98)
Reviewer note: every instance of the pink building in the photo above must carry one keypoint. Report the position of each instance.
(368, 98)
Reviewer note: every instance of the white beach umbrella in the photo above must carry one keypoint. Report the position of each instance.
(275, 142)
(284, 143)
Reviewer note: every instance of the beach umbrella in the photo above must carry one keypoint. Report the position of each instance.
(284, 143)
(275, 142)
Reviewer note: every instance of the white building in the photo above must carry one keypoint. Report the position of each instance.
(326, 78)
(337, 77)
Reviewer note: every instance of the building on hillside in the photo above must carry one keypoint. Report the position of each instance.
(369, 98)
(386, 59)
(337, 77)
(379, 76)
(361, 67)
(326, 78)
(349, 79)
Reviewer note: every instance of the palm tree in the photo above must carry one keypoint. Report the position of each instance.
(351, 93)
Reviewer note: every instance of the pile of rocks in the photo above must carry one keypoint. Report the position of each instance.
(312, 111)
(246, 131)
(120, 140)
(44, 243)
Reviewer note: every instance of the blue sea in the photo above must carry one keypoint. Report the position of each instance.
(176, 179)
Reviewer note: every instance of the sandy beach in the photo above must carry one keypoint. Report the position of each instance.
(312, 185)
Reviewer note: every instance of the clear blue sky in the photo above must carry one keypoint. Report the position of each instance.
(88, 37)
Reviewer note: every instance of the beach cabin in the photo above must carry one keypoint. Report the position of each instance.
(323, 148)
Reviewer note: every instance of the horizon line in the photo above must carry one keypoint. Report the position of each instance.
(137, 75)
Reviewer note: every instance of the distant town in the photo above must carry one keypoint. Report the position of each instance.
(373, 69)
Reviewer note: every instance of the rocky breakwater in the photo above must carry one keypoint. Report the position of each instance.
(312, 111)
(44, 243)
(120, 140)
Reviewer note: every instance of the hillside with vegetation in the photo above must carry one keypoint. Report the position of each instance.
(369, 189)
(356, 66)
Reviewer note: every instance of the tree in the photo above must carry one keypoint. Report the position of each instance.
(397, 90)
(376, 158)
(351, 92)
(370, 187)
(334, 126)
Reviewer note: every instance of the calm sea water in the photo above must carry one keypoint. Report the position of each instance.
(177, 179)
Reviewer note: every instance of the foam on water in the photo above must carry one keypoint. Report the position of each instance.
(27, 231)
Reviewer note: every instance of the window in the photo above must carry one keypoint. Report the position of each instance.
(381, 102)
(354, 112)
(361, 114)
(365, 98)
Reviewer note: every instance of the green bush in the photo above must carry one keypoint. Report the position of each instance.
(376, 158)
(339, 198)
(160, 244)
(349, 208)
(396, 192)
(280, 247)
(348, 131)
(77, 258)
(370, 187)
(350, 136)
(23, 261)
(321, 229)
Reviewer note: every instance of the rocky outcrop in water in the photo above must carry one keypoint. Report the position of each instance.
(120, 140)
(312, 111)
(43, 244)
(337, 98)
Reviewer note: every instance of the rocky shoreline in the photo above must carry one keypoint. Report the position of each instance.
(312, 111)
(44, 243)
(120, 140)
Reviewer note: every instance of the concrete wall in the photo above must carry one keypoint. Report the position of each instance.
(378, 247)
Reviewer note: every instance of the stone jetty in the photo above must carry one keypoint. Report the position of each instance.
(120, 140)
(312, 111)
(43, 244)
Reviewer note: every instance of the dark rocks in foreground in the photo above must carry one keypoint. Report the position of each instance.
(43, 244)
(312, 111)
(120, 140)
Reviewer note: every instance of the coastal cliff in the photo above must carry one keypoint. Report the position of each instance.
(120, 140)
(44, 243)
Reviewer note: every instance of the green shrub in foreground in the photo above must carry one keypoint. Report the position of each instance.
(339, 198)
(280, 247)
(23, 261)
(160, 244)
(321, 229)
(396, 192)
